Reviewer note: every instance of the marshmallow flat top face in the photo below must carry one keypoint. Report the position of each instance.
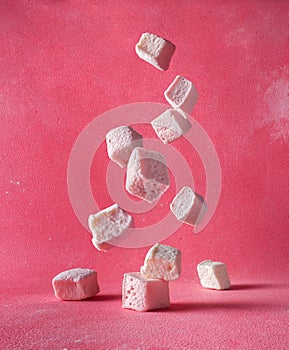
(170, 125)
(143, 294)
(155, 50)
(162, 262)
(75, 284)
(188, 206)
(108, 224)
(213, 275)
(147, 174)
(182, 94)
(120, 142)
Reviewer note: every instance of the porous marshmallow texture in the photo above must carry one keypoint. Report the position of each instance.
(170, 125)
(75, 284)
(162, 261)
(143, 294)
(182, 94)
(108, 224)
(188, 206)
(120, 142)
(155, 50)
(213, 275)
(147, 174)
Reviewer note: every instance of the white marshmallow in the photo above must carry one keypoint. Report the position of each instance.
(120, 142)
(170, 125)
(75, 284)
(188, 206)
(182, 94)
(142, 294)
(155, 50)
(147, 174)
(107, 224)
(213, 275)
(162, 261)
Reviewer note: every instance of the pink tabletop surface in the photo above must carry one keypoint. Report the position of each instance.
(63, 64)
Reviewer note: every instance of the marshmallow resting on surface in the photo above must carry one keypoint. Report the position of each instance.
(120, 143)
(75, 284)
(142, 294)
(170, 125)
(188, 206)
(213, 275)
(162, 261)
(182, 94)
(147, 175)
(108, 224)
(155, 50)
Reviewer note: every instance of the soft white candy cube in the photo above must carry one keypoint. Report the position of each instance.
(142, 294)
(108, 224)
(162, 261)
(188, 206)
(155, 50)
(213, 275)
(182, 94)
(120, 142)
(75, 284)
(147, 174)
(170, 125)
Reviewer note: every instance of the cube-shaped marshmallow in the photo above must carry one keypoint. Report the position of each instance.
(170, 125)
(213, 275)
(143, 294)
(108, 224)
(182, 94)
(120, 142)
(155, 50)
(147, 175)
(188, 206)
(75, 284)
(162, 261)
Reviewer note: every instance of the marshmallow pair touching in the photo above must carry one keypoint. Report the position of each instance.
(173, 123)
(149, 289)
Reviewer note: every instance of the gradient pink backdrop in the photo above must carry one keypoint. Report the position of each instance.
(63, 63)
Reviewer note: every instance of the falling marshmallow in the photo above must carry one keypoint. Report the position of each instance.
(155, 50)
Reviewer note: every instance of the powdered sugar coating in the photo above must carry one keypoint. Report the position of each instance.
(120, 142)
(155, 50)
(142, 294)
(75, 284)
(147, 174)
(108, 224)
(162, 261)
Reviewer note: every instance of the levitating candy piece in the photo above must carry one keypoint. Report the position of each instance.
(120, 143)
(213, 275)
(162, 261)
(182, 94)
(107, 224)
(155, 50)
(188, 206)
(147, 174)
(170, 125)
(75, 284)
(142, 294)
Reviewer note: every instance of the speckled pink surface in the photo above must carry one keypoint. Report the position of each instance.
(63, 63)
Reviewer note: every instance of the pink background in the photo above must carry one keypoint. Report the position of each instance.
(62, 64)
